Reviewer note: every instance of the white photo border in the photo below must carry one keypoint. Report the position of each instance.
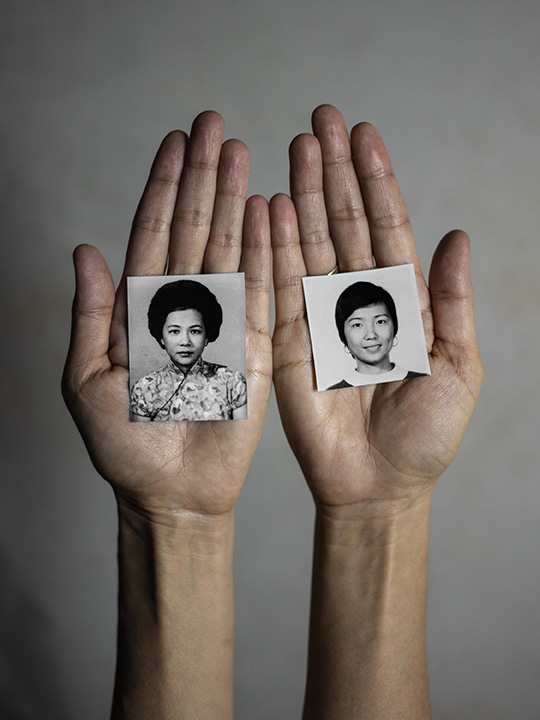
(145, 354)
(332, 362)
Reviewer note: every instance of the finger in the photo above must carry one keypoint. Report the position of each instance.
(308, 196)
(452, 294)
(148, 246)
(193, 213)
(391, 233)
(91, 318)
(256, 264)
(224, 247)
(118, 340)
(288, 267)
(346, 215)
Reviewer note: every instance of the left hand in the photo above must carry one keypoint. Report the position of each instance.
(387, 442)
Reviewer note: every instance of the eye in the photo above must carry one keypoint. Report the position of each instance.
(196, 331)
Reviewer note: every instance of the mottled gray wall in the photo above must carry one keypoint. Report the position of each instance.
(88, 90)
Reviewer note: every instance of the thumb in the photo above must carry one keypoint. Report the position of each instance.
(91, 317)
(451, 291)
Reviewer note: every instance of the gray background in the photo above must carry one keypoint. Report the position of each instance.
(88, 90)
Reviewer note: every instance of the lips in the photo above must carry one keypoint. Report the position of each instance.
(372, 348)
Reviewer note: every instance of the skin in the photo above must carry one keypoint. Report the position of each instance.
(176, 485)
(371, 455)
(184, 338)
(369, 332)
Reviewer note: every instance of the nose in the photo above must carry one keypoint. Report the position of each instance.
(370, 332)
(185, 339)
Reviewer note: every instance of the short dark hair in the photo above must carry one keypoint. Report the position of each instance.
(362, 294)
(185, 295)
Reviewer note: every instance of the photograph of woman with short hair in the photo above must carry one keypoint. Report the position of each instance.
(367, 323)
(184, 316)
(355, 337)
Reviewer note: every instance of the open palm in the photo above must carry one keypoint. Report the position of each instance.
(193, 217)
(382, 441)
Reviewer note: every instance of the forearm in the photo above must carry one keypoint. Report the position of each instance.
(367, 656)
(176, 618)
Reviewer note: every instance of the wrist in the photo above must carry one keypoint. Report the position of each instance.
(374, 522)
(367, 654)
(171, 531)
(176, 613)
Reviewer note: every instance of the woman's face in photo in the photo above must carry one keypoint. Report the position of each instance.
(369, 332)
(184, 337)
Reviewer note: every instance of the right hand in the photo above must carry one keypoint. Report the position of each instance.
(192, 218)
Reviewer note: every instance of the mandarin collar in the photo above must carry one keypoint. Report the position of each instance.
(192, 370)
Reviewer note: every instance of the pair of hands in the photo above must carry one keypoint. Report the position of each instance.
(357, 447)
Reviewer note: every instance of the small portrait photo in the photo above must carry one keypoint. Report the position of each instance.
(187, 347)
(366, 327)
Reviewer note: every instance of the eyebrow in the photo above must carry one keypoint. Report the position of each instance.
(176, 325)
(361, 317)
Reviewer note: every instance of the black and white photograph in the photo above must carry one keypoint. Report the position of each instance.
(187, 347)
(366, 327)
